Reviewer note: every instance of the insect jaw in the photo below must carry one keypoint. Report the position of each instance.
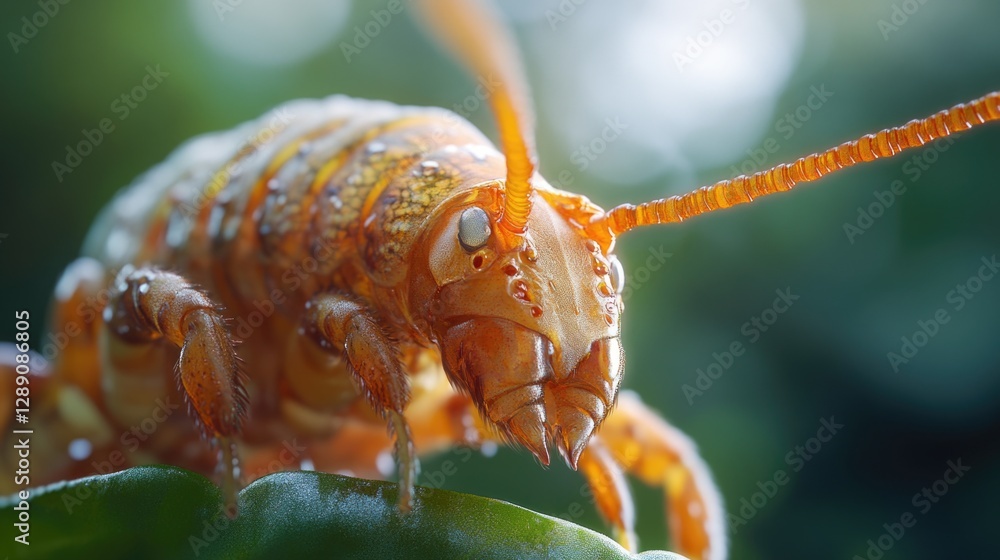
(507, 369)
(578, 404)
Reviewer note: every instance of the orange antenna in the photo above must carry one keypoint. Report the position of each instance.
(469, 29)
(783, 177)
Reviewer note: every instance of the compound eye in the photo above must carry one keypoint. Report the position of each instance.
(617, 274)
(473, 228)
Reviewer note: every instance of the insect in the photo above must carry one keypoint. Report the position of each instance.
(402, 237)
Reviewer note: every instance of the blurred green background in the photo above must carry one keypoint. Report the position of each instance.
(688, 125)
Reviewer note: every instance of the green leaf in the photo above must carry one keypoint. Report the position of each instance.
(166, 512)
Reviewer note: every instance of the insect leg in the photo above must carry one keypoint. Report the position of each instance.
(439, 418)
(652, 450)
(341, 324)
(150, 305)
(611, 493)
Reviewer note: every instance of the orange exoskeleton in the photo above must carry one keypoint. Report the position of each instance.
(382, 266)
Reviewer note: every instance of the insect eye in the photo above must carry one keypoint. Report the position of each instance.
(473, 228)
(617, 274)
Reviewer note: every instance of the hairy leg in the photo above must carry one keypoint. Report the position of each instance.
(637, 440)
(149, 306)
(342, 325)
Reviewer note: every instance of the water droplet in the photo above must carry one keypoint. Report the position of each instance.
(79, 449)
(385, 463)
(477, 151)
(428, 168)
(143, 288)
(273, 185)
(489, 448)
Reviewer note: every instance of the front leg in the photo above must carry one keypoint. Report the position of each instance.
(636, 439)
(150, 306)
(341, 324)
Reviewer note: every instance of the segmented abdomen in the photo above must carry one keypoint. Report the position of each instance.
(280, 203)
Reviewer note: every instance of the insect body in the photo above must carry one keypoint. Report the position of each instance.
(382, 265)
